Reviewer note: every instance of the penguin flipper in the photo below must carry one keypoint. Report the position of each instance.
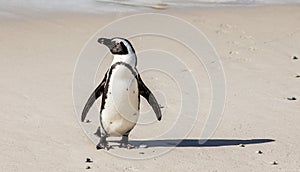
(147, 94)
(93, 97)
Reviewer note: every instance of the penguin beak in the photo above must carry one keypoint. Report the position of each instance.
(107, 42)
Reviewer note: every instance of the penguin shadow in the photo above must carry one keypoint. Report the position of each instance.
(199, 142)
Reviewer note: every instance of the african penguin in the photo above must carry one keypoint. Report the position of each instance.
(120, 88)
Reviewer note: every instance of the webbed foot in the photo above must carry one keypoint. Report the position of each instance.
(127, 145)
(124, 143)
(103, 144)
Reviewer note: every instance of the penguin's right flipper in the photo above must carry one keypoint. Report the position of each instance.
(94, 96)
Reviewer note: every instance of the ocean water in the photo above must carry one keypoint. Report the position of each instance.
(96, 6)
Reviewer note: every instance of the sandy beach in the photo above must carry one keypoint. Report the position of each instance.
(256, 45)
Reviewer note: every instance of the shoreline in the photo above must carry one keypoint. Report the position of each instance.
(119, 10)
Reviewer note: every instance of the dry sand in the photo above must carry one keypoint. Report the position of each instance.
(41, 132)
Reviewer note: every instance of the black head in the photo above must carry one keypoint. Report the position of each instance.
(118, 46)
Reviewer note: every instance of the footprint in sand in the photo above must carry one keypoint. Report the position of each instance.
(224, 28)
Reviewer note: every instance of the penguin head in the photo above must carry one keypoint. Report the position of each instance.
(118, 46)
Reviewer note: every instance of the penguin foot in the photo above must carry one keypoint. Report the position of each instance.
(105, 146)
(126, 145)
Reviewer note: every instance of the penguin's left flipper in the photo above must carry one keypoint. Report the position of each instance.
(147, 94)
(93, 97)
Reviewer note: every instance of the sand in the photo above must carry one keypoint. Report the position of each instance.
(41, 130)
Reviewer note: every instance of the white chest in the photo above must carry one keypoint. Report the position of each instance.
(120, 112)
